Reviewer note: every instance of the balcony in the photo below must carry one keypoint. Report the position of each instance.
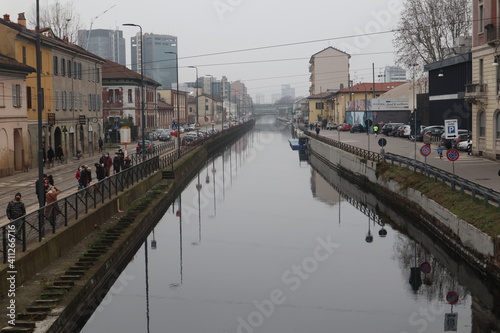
(476, 92)
(492, 34)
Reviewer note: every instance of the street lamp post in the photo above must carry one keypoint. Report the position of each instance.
(178, 105)
(212, 96)
(414, 112)
(196, 87)
(143, 116)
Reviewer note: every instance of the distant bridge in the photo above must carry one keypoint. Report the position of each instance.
(271, 109)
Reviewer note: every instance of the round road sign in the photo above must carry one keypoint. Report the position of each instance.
(425, 150)
(425, 267)
(382, 142)
(452, 297)
(452, 155)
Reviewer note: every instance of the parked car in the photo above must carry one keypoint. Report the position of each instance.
(148, 144)
(357, 128)
(448, 143)
(189, 138)
(331, 126)
(396, 131)
(465, 145)
(461, 137)
(164, 136)
(405, 131)
(387, 128)
(344, 127)
(431, 132)
(192, 127)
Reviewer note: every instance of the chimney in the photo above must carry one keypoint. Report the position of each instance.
(6, 17)
(21, 19)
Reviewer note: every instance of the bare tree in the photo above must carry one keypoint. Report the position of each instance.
(60, 17)
(427, 29)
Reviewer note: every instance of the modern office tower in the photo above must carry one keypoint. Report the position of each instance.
(158, 63)
(286, 90)
(106, 43)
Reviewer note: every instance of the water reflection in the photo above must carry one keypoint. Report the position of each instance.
(284, 250)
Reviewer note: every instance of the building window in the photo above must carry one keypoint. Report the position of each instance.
(63, 100)
(319, 106)
(56, 99)
(75, 69)
(81, 102)
(130, 96)
(63, 67)
(69, 68)
(56, 65)
(89, 73)
(110, 96)
(16, 95)
(97, 75)
(481, 71)
(481, 18)
(29, 102)
(498, 125)
(482, 124)
(80, 70)
(90, 102)
(24, 55)
(117, 96)
(2, 95)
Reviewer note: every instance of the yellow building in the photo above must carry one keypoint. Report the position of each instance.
(321, 107)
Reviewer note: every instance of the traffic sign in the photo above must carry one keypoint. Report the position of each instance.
(382, 142)
(452, 155)
(425, 150)
(452, 297)
(451, 322)
(451, 128)
(425, 267)
(197, 124)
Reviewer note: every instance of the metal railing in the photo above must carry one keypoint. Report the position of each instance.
(455, 182)
(33, 227)
(363, 153)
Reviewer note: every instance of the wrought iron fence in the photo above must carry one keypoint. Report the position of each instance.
(33, 227)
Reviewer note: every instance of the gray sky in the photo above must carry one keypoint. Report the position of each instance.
(282, 34)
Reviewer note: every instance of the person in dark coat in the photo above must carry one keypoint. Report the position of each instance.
(46, 185)
(50, 156)
(15, 210)
(82, 176)
(99, 172)
(101, 143)
(117, 163)
(59, 154)
(126, 163)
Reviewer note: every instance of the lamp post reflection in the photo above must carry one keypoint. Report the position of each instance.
(146, 260)
(178, 213)
(198, 189)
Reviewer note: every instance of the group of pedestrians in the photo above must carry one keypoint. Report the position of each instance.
(102, 168)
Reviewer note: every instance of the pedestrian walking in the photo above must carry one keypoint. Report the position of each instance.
(126, 163)
(52, 207)
(317, 129)
(117, 163)
(15, 210)
(101, 143)
(50, 156)
(108, 163)
(59, 154)
(375, 130)
(45, 185)
(82, 177)
(100, 175)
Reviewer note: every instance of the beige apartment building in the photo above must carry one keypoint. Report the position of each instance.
(329, 70)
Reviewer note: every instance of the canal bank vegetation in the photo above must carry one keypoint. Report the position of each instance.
(485, 218)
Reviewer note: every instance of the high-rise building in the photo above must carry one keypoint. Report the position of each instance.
(286, 90)
(158, 64)
(106, 43)
(394, 74)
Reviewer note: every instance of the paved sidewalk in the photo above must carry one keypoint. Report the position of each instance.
(474, 168)
(24, 182)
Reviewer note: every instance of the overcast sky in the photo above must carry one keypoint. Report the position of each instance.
(282, 35)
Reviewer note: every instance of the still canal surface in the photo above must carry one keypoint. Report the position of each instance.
(273, 244)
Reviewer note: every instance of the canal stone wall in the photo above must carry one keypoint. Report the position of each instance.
(40, 255)
(472, 244)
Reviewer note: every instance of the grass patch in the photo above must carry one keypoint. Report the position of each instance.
(475, 212)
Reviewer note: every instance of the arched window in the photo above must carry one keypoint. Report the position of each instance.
(482, 124)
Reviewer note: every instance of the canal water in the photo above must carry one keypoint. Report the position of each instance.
(260, 241)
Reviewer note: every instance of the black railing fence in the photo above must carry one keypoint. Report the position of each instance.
(455, 182)
(33, 227)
